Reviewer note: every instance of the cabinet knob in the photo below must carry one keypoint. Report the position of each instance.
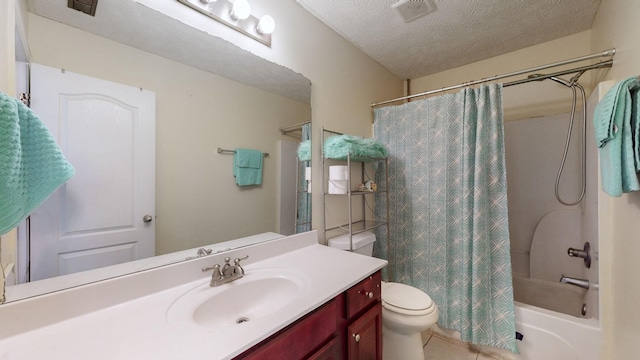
(356, 337)
(368, 294)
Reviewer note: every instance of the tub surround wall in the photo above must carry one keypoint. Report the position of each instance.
(541, 228)
(121, 303)
(533, 151)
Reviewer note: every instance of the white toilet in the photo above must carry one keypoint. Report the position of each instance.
(406, 311)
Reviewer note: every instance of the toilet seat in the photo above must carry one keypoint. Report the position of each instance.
(406, 300)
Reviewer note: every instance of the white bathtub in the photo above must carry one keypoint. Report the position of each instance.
(549, 335)
(562, 298)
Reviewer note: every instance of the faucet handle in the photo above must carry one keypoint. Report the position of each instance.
(216, 270)
(236, 261)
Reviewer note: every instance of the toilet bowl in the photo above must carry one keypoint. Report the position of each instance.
(406, 311)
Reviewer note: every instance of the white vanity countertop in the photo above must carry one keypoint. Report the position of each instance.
(138, 328)
(26, 290)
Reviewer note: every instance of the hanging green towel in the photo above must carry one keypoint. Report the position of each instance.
(615, 105)
(32, 166)
(247, 167)
(304, 150)
(616, 126)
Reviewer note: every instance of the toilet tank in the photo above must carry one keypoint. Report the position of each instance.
(362, 242)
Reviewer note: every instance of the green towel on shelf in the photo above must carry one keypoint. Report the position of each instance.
(247, 166)
(32, 166)
(617, 125)
(360, 149)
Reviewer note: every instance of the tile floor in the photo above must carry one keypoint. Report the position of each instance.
(438, 347)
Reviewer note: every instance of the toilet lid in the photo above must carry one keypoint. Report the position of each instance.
(405, 299)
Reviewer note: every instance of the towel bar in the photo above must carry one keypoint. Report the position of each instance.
(221, 151)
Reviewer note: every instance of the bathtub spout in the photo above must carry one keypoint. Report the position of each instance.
(582, 283)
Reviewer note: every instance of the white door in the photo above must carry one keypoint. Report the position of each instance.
(104, 215)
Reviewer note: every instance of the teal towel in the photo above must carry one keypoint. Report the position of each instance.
(32, 166)
(616, 125)
(614, 105)
(247, 166)
(304, 150)
(360, 149)
(635, 118)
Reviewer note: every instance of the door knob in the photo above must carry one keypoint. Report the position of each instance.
(356, 337)
(147, 218)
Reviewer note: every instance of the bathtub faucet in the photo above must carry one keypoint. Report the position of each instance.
(582, 283)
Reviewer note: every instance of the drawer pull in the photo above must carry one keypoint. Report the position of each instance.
(368, 294)
(356, 337)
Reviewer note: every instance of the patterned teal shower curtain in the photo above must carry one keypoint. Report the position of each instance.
(303, 220)
(448, 209)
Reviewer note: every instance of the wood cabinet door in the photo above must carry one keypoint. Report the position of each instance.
(331, 351)
(364, 336)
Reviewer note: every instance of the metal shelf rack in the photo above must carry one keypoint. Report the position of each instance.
(353, 226)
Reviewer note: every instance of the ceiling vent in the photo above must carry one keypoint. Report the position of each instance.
(410, 10)
(86, 6)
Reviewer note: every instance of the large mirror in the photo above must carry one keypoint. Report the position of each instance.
(211, 98)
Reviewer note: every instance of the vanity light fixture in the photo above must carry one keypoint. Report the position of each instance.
(236, 14)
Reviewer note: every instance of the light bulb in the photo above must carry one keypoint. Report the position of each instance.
(241, 10)
(266, 25)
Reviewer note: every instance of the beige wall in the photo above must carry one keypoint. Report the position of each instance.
(526, 100)
(197, 201)
(616, 25)
(7, 48)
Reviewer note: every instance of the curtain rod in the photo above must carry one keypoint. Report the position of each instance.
(540, 77)
(606, 53)
(294, 127)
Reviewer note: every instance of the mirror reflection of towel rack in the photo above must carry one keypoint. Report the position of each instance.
(223, 151)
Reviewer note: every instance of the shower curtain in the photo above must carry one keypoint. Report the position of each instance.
(303, 220)
(448, 209)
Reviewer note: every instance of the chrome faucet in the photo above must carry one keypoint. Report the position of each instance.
(227, 273)
(201, 252)
(582, 283)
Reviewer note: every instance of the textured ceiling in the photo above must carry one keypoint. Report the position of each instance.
(136, 25)
(458, 32)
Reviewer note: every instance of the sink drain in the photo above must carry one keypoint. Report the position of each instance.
(242, 320)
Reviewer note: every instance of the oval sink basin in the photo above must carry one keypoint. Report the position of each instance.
(260, 293)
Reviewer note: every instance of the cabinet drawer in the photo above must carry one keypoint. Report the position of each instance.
(363, 294)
